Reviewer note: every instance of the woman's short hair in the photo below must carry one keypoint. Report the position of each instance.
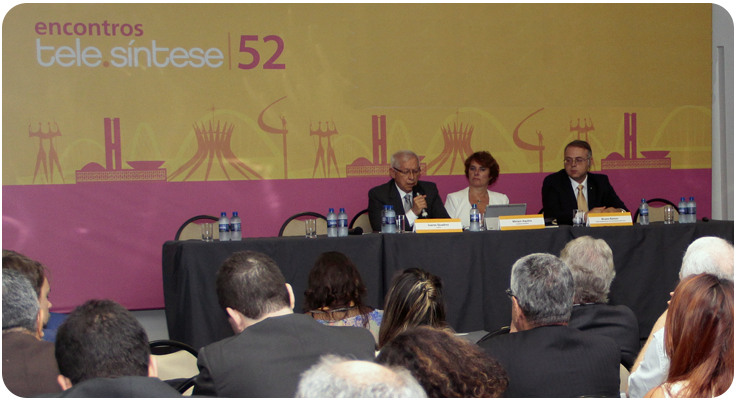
(414, 299)
(334, 282)
(486, 160)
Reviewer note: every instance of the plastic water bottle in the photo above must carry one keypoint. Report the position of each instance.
(224, 227)
(390, 220)
(691, 211)
(682, 209)
(383, 218)
(342, 223)
(331, 223)
(474, 218)
(235, 228)
(644, 212)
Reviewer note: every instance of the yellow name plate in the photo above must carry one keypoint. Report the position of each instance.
(523, 222)
(609, 219)
(438, 226)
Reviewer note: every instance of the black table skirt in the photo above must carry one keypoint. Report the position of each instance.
(474, 267)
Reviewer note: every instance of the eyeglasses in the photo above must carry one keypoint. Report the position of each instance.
(510, 293)
(577, 160)
(407, 172)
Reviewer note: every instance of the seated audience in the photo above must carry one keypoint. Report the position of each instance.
(272, 345)
(103, 352)
(445, 365)
(699, 339)
(29, 365)
(36, 273)
(414, 299)
(704, 255)
(591, 262)
(543, 357)
(335, 294)
(339, 377)
(481, 170)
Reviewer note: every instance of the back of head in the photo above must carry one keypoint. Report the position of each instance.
(544, 289)
(100, 338)
(334, 282)
(414, 299)
(591, 262)
(338, 377)
(445, 365)
(251, 283)
(711, 255)
(402, 155)
(35, 271)
(20, 302)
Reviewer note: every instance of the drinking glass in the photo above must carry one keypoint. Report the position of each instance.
(310, 228)
(207, 232)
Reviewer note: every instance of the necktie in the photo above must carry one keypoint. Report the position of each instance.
(582, 204)
(407, 203)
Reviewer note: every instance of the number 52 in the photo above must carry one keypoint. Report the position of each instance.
(268, 65)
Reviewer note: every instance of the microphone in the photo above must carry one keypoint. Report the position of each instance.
(417, 190)
(355, 231)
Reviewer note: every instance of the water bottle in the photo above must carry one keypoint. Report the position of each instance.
(644, 212)
(390, 220)
(331, 223)
(342, 223)
(235, 228)
(691, 211)
(224, 227)
(682, 209)
(474, 218)
(383, 218)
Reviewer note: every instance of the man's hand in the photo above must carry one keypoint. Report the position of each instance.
(420, 202)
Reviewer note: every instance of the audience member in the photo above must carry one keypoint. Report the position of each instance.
(574, 187)
(414, 299)
(543, 357)
(29, 366)
(36, 273)
(102, 351)
(591, 262)
(339, 377)
(399, 192)
(335, 294)
(272, 345)
(699, 339)
(445, 365)
(704, 255)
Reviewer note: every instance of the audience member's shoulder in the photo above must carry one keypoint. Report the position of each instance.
(120, 387)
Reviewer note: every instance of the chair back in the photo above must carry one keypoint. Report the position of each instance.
(656, 213)
(362, 220)
(191, 228)
(177, 363)
(294, 225)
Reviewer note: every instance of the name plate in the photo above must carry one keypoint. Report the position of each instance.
(609, 219)
(438, 226)
(523, 222)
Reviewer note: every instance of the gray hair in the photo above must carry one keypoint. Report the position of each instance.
(591, 262)
(20, 302)
(402, 155)
(339, 377)
(711, 255)
(543, 286)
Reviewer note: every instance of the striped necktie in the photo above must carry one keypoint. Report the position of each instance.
(407, 203)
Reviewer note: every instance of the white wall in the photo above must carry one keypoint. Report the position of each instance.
(722, 164)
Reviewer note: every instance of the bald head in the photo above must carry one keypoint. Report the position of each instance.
(711, 255)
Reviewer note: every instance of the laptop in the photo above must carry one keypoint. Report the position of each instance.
(494, 211)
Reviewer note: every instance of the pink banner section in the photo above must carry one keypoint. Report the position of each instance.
(103, 239)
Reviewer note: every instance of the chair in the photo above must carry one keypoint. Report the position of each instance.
(657, 213)
(294, 225)
(191, 229)
(362, 220)
(624, 377)
(177, 364)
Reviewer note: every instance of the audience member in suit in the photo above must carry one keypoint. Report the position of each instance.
(102, 351)
(543, 357)
(560, 189)
(405, 172)
(591, 262)
(445, 365)
(29, 366)
(699, 339)
(36, 273)
(339, 377)
(414, 299)
(272, 345)
(705, 255)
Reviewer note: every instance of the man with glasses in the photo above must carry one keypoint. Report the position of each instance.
(408, 195)
(574, 187)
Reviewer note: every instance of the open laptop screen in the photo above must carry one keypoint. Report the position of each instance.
(512, 209)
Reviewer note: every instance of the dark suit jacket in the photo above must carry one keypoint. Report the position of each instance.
(558, 197)
(388, 194)
(615, 321)
(557, 361)
(267, 359)
(29, 365)
(120, 387)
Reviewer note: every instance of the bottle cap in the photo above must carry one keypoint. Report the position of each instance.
(223, 214)
(692, 198)
(475, 206)
(332, 210)
(235, 214)
(342, 210)
(643, 200)
(682, 199)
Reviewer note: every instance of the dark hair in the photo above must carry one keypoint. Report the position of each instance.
(579, 143)
(34, 270)
(445, 365)
(100, 338)
(334, 282)
(486, 160)
(252, 284)
(699, 336)
(414, 299)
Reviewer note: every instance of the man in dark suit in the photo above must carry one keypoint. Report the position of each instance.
(272, 345)
(574, 187)
(405, 172)
(543, 357)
